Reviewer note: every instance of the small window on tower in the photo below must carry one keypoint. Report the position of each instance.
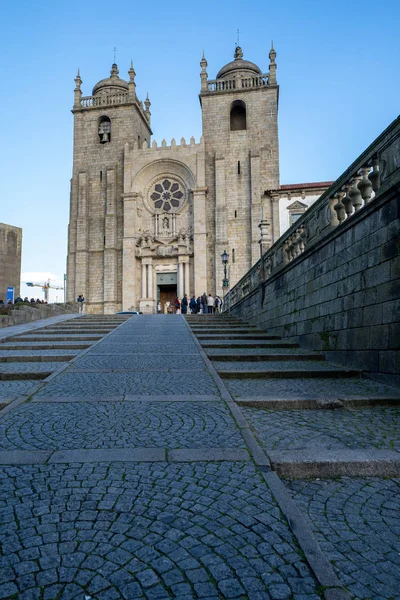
(238, 167)
(104, 130)
(238, 115)
(233, 255)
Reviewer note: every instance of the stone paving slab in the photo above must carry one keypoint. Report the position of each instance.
(208, 454)
(308, 388)
(109, 455)
(121, 384)
(119, 425)
(357, 525)
(326, 430)
(150, 530)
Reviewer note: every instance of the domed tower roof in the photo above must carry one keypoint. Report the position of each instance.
(244, 66)
(112, 84)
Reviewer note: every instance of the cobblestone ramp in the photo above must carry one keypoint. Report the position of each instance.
(132, 474)
(316, 420)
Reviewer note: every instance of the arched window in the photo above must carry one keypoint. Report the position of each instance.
(104, 130)
(238, 115)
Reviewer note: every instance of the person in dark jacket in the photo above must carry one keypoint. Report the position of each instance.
(193, 305)
(184, 304)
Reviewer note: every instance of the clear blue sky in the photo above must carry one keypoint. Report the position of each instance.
(338, 70)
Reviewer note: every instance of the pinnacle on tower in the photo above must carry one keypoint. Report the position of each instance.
(203, 74)
(78, 81)
(203, 63)
(77, 90)
(272, 65)
(131, 72)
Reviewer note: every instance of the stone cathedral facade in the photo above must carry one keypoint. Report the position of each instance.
(149, 223)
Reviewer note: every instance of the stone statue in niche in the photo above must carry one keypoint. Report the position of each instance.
(104, 131)
(165, 224)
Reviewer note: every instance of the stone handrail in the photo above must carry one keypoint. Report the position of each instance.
(359, 185)
(109, 99)
(239, 83)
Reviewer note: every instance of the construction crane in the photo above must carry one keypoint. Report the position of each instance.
(45, 287)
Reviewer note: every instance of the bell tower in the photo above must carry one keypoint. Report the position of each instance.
(240, 129)
(103, 123)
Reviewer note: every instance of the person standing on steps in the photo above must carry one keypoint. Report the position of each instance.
(184, 304)
(80, 301)
(210, 304)
(193, 305)
(204, 302)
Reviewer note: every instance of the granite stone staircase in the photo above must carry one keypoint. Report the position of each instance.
(356, 434)
(30, 357)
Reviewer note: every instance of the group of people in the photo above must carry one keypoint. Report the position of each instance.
(205, 304)
(18, 299)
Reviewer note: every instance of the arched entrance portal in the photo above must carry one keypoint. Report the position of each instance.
(167, 291)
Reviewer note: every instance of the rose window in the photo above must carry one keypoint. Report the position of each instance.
(167, 195)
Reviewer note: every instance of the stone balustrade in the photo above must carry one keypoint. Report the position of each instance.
(363, 182)
(238, 83)
(106, 100)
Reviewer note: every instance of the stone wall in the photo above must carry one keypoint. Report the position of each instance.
(340, 294)
(10, 259)
(26, 314)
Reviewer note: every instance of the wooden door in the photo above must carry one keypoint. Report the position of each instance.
(167, 294)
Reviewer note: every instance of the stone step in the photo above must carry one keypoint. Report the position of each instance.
(228, 331)
(322, 402)
(275, 392)
(32, 375)
(80, 330)
(290, 373)
(250, 344)
(238, 336)
(54, 338)
(240, 357)
(30, 368)
(38, 358)
(45, 346)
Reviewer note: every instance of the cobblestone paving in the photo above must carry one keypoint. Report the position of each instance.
(146, 531)
(120, 384)
(13, 389)
(308, 388)
(140, 362)
(345, 428)
(119, 425)
(158, 530)
(357, 524)
(276, 365)
(29, 367)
